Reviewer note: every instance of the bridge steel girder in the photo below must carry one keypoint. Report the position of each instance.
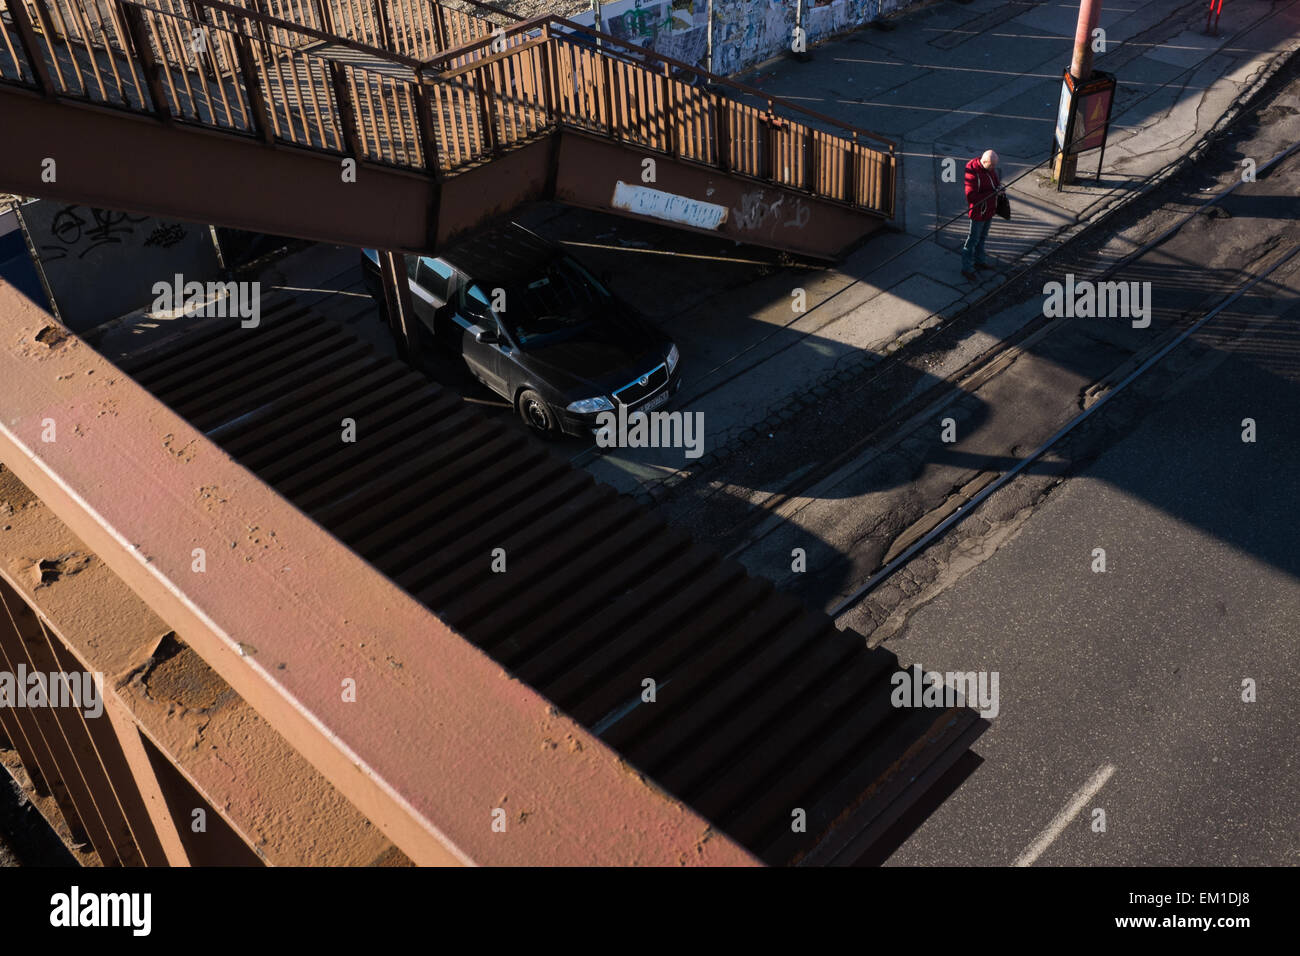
(114, 159)
(756, 213)
(244, 772)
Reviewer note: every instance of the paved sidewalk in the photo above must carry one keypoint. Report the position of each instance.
(949, 81)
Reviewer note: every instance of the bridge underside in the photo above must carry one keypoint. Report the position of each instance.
(115, 159)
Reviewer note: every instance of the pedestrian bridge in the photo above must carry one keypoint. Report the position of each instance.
(404, 124)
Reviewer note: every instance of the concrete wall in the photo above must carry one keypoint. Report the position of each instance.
(101, 264)
(745, 32)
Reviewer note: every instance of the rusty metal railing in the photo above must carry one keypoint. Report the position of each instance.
(352, 77)
(418, 28)
(228, 68)
(501, 89)
(627, 92)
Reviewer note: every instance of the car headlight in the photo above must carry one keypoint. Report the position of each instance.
(673, 356)
(589, 406)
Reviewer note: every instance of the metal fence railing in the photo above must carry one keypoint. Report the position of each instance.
(503, 88)
(217, 65)
(417, 84)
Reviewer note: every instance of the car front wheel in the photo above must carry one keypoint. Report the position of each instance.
(537, 415)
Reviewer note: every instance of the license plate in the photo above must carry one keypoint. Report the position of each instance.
(660, 399)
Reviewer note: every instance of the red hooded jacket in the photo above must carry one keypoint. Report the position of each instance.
(981, 190)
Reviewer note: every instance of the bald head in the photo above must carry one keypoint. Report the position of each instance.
(989, 159)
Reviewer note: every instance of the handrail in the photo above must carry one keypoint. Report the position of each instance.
(714, 80)
(288, 26)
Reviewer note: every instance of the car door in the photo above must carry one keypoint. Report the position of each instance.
(485, 359)
(429, 288)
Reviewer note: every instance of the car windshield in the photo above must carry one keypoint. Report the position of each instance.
(560, 301)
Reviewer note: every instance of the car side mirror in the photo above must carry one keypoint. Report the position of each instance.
(487, 337)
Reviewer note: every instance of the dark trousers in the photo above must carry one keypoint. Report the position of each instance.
(973, 251)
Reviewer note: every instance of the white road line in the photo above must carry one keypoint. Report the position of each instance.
(1062, 820)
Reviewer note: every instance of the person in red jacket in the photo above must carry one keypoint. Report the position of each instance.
(982, 188)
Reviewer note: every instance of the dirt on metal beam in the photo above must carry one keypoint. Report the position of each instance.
(267, 793)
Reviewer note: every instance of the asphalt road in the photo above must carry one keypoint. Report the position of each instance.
(1133, 678)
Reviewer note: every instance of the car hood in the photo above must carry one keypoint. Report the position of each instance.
(601, 360)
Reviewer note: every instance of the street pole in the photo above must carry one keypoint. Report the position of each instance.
(708, 39)
(1080, 69)
(1081, 63)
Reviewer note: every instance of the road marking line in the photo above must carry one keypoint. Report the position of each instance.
(1062, 819)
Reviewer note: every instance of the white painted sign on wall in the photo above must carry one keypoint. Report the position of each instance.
(657, 204)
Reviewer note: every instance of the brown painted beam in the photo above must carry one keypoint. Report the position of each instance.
(153, 815)
(246, 772)
(282, 191)
(757, 213)
(301, 193)
(420, 730)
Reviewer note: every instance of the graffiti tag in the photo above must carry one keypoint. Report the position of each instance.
(756, 213)
(166, 236)
(81, 230)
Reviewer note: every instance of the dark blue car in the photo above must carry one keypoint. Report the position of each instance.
(538, 329)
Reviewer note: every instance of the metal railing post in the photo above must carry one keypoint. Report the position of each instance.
(487, 110)
(260, 119)
(424, 123)
(893, 180)
(548, 95)
(810, 160)
(770, 159)
(851, 172)
(47, 22)
(439, 27)
(259, 6)
(133, 17)
(27, 39)
(347, 117)
(670, 113)
(722, 131)
(607, 97)
(324, 15)
(382, 32)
